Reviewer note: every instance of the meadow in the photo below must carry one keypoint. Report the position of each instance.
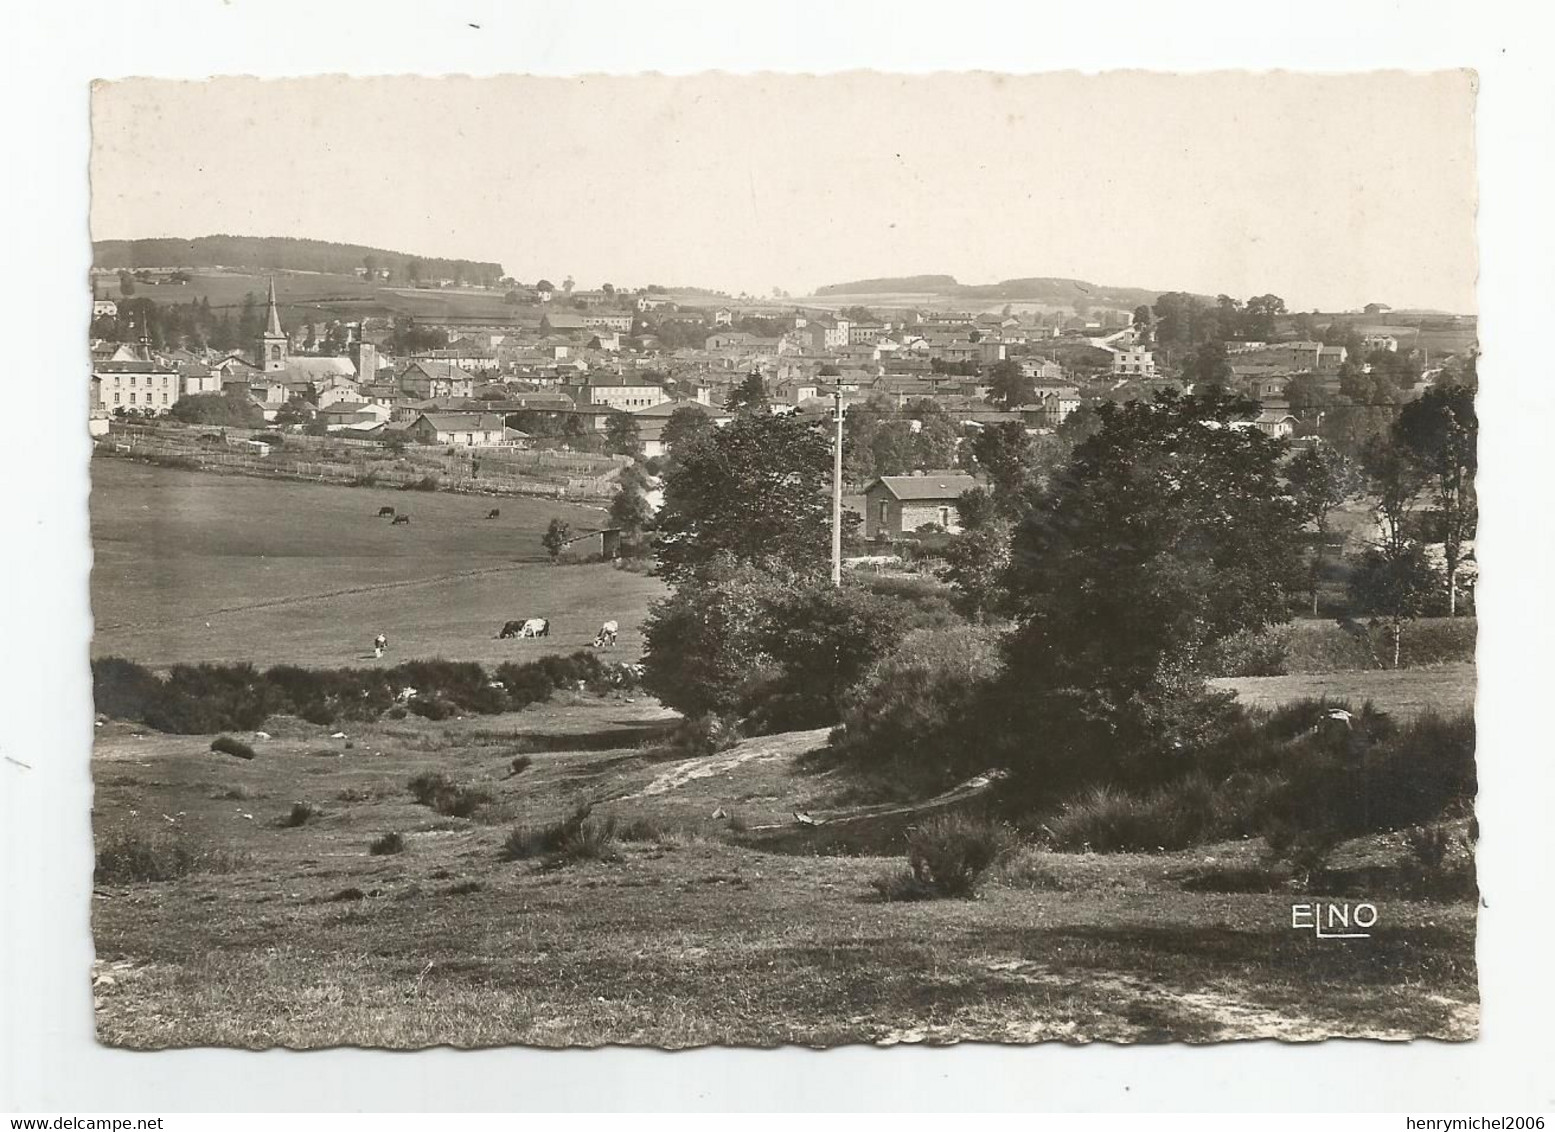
(294, 932)
(191, 566)
(309, 897)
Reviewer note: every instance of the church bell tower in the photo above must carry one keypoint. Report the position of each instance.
(273, 343)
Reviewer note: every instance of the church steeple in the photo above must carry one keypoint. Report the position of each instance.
(273, 343)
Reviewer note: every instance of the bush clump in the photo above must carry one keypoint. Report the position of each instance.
(387, 845)
(949, 854)
(442, 794)
(122, 689)
(127, 857)
(301, 813)
(577, 837)
(916, 711)
(227, 745)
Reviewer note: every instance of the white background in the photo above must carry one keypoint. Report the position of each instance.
(48, 1059)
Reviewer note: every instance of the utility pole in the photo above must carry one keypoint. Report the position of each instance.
(836, 493)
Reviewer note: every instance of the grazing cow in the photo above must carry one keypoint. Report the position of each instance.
(494, 513)
(607, 635)
(535, 627)
(398, 519)
(382, 511)
(510, 629)
(380, 642)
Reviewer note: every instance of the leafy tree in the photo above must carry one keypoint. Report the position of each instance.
(755, 490)
(1209, 365)
(749, 397)
(823, 638)
(1393, 582)
(977, 565)
(126, 284)
(685, 426)
(1008, 458)
(1321, 478)
(975, 507)
(1009, 386)
(555, 537)
(250, 321)
(704, 653)
(623, 437)
(297, 410)
(1260, 315)
(1164, 533)
(934, 446)
(630, 509)
(310, 338)
(230, 409)
(1439, 434)
(578, 435)
(1395, 482)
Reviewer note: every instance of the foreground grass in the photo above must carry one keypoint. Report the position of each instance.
(683, 939)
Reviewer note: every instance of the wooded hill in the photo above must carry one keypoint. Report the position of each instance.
(283, 253)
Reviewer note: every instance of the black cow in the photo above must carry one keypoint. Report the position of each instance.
(511, 629)
(494, 513)
(382, 511)
(398, 519)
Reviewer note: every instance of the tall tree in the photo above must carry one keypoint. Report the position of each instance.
(1009, 386)
(1321, 478)
(623, 436)
(756, 490)
(555, 538)
(1165, 532)
(1007, 457)
(1439, 434)
(749, 397)
(630, 509)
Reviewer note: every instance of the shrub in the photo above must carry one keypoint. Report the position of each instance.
(1106, 820)
(916, 712)
(227, 745)
(438, 792)
(577, 837)
(387, 845)
(122, 689)
(950, 853)
(429, 482)
(301, 813)
(1250, 652)
(430, 707)
(639, 829)
(1386, 781)
(899, 884)
(520, 764)
(126, 857)
(1429, 845)
(209, 697)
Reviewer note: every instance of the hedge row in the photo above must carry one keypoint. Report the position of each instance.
(198, 699)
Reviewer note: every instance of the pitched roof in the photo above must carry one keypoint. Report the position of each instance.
(461, 422)
(913, 488)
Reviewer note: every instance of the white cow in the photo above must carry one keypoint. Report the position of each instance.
(535, 627)
(607, 635)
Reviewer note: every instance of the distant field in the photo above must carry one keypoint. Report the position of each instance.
(301, 293)
(1405, 693)
(195, 567)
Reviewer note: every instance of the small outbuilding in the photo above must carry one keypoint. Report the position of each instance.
(898, 505)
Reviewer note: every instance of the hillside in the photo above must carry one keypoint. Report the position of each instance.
(1047, 291)
(283, 253)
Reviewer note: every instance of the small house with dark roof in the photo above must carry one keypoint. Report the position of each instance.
(898, 505)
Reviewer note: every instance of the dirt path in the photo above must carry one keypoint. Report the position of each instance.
(769, 748)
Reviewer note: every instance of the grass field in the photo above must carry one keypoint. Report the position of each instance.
(304, 938)
(1406, 693)
(196, 567)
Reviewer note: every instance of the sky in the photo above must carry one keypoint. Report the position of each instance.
(1330, 191)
